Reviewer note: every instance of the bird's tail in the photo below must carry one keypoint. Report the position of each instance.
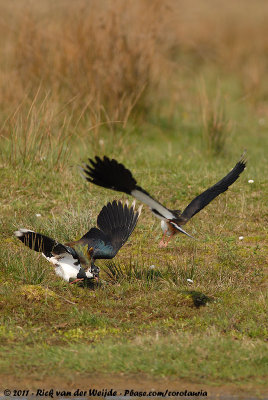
(179, 228)
(118, 220)
(110, 174)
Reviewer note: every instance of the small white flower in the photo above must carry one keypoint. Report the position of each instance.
(152, 267)
(250, 181)
(190, 280)
(101, 142)
(42, 158)
(38, 215)
(241, 237)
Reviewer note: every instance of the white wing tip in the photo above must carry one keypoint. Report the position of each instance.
(21, 232)
(139, 210)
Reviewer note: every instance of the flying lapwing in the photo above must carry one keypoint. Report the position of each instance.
(109, 173)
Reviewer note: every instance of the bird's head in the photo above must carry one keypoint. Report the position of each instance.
(95, 271)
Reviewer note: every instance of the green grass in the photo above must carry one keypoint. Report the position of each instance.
(139, 320)
(163, 357)
(117, 324)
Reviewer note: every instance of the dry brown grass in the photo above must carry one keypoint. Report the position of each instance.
(216, 126)
(103, 53)
(112, 56)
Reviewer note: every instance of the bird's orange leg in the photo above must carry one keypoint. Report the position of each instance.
(168, 239)
(76, 280)
(162, 242)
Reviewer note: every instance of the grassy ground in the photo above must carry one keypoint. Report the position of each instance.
(146, 321)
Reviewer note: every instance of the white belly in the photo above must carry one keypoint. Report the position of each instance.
(64, 266)
(166, 228)
(66, 271)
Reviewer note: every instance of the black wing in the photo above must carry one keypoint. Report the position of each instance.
(41, 243)
(110, 174)
(115, 223)
(208, 195)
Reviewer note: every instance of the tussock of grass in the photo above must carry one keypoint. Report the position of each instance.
(216, 126)
(25, 269)
(33, 136)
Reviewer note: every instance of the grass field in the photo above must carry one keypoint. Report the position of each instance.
(176, 92)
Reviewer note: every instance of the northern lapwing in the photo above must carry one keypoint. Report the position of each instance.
(110, 174)
(115, 224)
